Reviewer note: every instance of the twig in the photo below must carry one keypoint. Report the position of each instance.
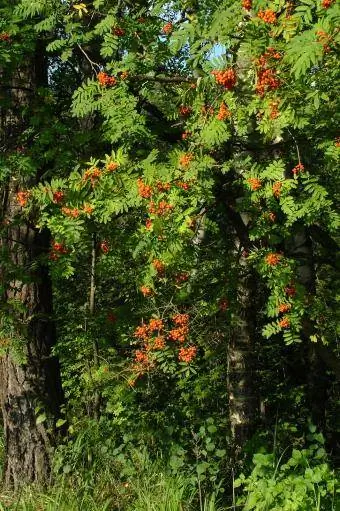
(88, 58)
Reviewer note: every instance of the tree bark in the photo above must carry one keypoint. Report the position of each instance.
(30, 384)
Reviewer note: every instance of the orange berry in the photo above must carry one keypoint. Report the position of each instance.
(254, 183)
(273, 259)
(284, 322)
(187, 354)
(168, 28)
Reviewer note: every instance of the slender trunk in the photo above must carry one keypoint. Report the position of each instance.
(30, 385)
(96, 406)
(243, 397)
(300, 247)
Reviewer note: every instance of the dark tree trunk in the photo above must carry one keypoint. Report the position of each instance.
(30, 385)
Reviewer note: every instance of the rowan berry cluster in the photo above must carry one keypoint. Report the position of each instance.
(267, 80)
(187, 354)
(186, 134)
(273, 259)
(327, 3)
(223, 113)
(277, 189)
(159, 266)
(298, 168)
(58, 249)
(163, 187)
(168, 28)
(284, 307)
(272, 216)
(92, 175)
(183, 184)
(181, 277)
(179, 334)
(22, 198)
(112, 166)
(155, 324)
(161, 209)
(284, 322)
(87, 209)
(58, 196)
(227, 78)
(182, 328)
(146, 291)
(71, 212)
(141, 357)
(185, 159)
(324, 39)
(290, 290)
(144, 191)
(104, 246)
(274, 109)
(185, 110)
(118, 31)
(268, 16)
(4, 36)
(247, 4)
(105, 80)
(254, 183)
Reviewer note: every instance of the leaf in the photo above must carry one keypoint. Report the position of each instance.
(41, 418)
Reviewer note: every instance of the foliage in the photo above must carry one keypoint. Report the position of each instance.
(182, 158)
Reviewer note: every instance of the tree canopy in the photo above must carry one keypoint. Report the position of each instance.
(169, 179)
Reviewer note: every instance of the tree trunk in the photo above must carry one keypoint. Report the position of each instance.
(243, 396)
(30, 384)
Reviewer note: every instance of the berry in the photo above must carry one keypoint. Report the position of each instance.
(181, 319)
(146, 291)
(273, 259)
(112, 166)
(159, 266)
(144, 191)
(298, 168)
(58, 197)
(87, 209)
(254, 183)
(277, 189)
(105, 80)
(284, 322)
(104, 246)
(223, 113)
(4, 36)
(155, 325)
(227, 78)
(185, 160)
(268, 16)
(247, 4)
(327, 3)
(22, 198)
(284, 307)
(118, 31)
(162, 209)
(187, 354)
(71, 212)
(185, 110)
(290, 290)
(181, 277)
(168, 28)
